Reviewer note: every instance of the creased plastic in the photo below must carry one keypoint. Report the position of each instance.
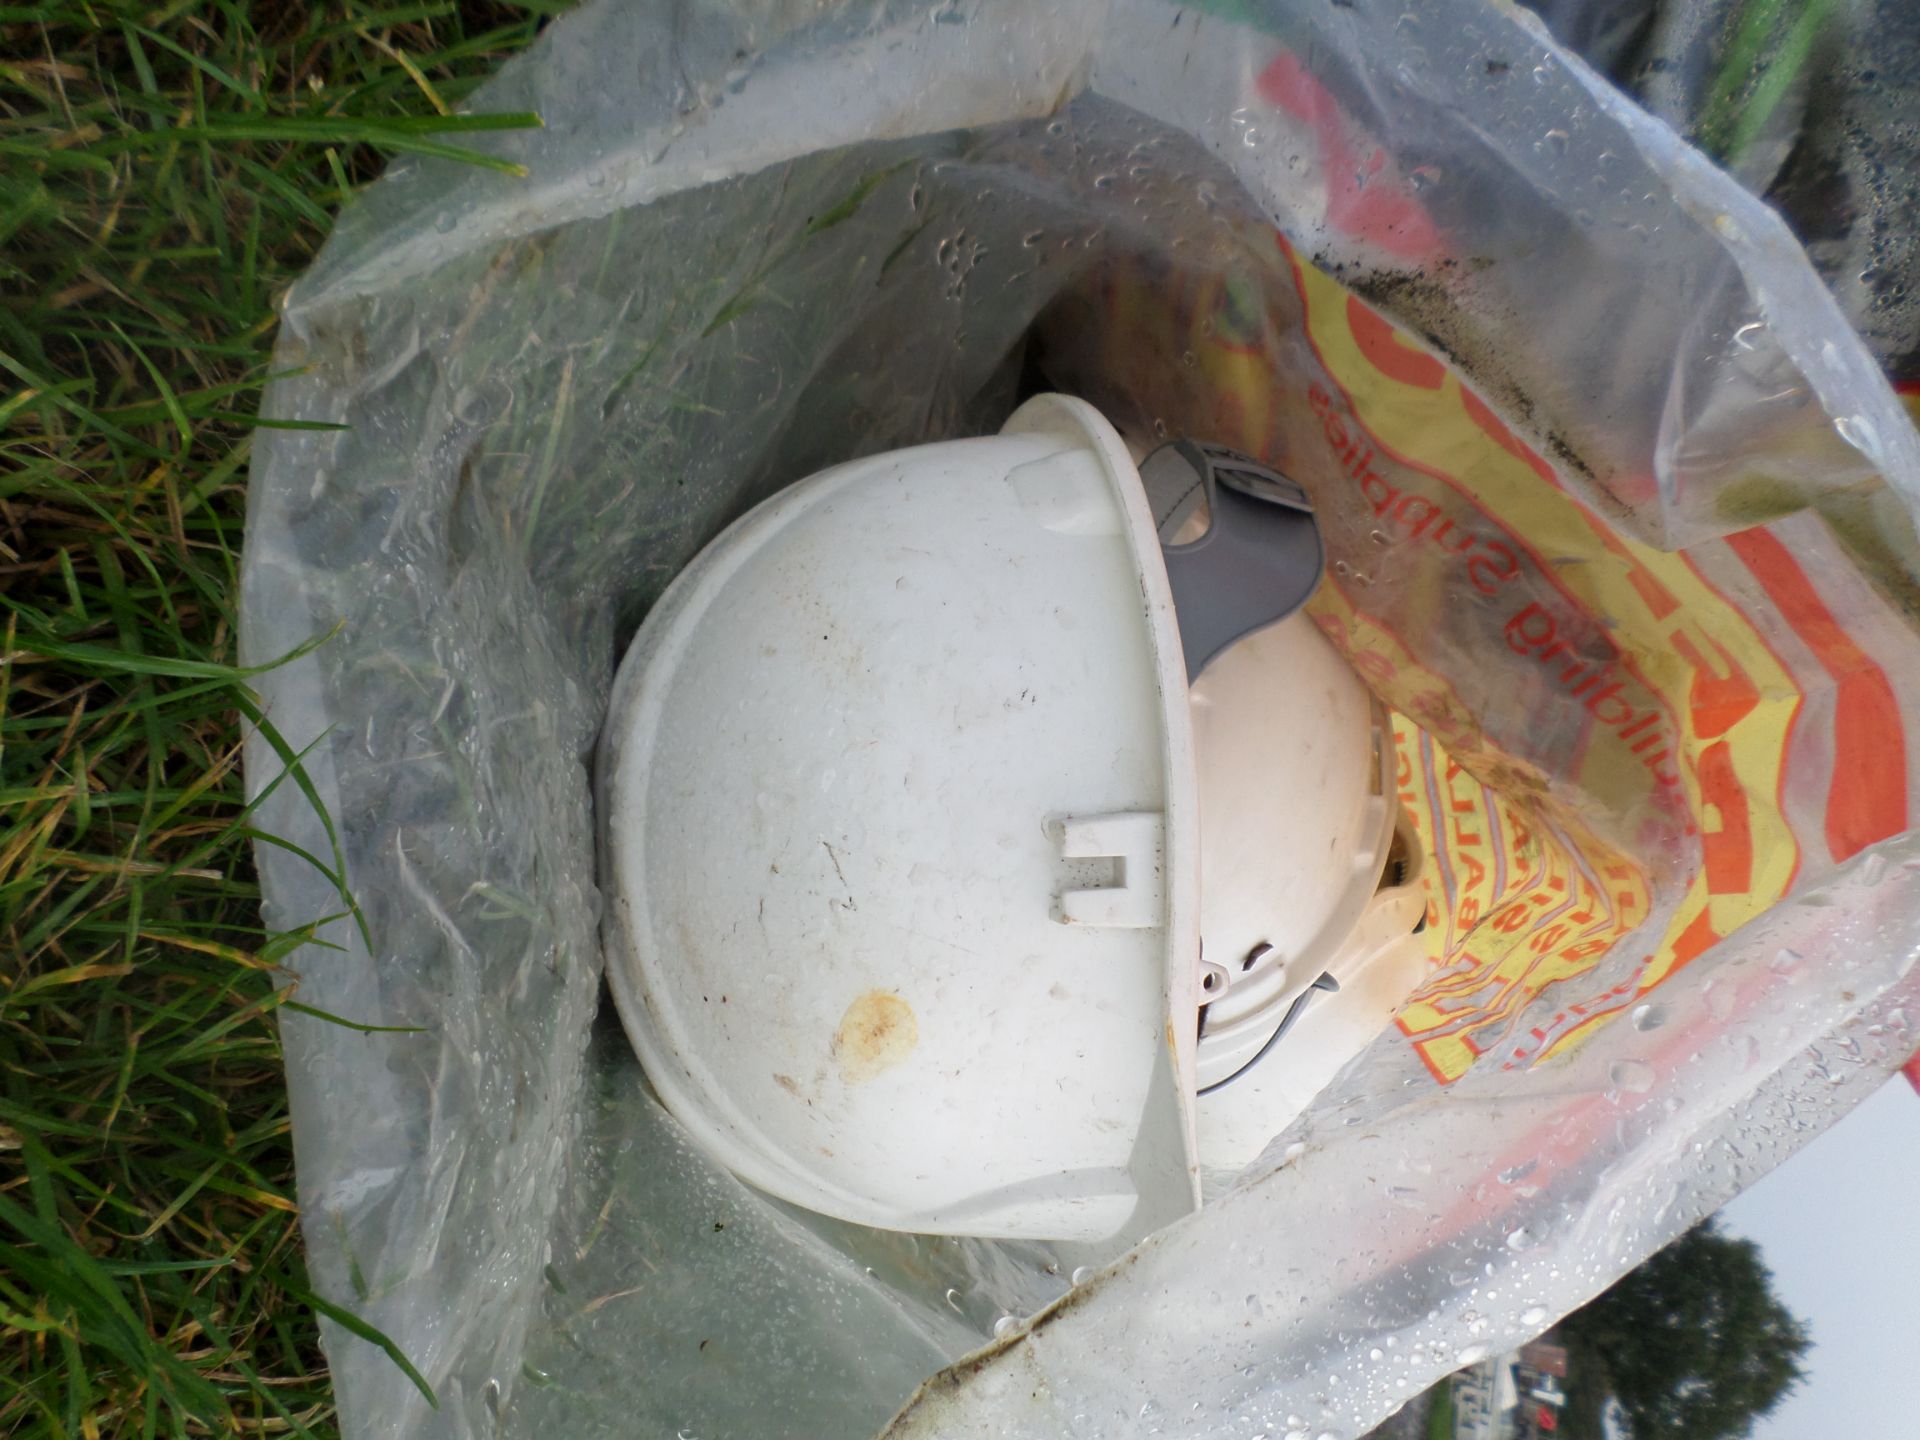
(1618, 516)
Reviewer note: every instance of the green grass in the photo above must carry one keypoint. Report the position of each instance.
(1440, 1413)
(165, 170)
(1767, 45)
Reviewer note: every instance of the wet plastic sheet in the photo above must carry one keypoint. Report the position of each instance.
(1618, 515)
(1812, 110)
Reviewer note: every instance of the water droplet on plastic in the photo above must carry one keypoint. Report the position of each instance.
(1873, 869)
(1471, 1355)
(1785, 960)
(1521, 1239)
(1636, 1077)
(1721, 999)
(1004, 1326)
(1857, 431)
(1648, 1017)
(445, 221)
(1081, 1274)
(1534, 1315)
(1556, 141)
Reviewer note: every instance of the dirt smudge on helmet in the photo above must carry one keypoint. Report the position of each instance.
(877, 1033)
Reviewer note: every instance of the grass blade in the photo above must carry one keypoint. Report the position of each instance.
(354, 1325)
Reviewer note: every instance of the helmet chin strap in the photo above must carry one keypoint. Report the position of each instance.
(1256, 563)
(1326, 982)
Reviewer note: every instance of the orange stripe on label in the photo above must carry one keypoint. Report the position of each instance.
(1694, 941)
(1909, 393)
(1726, 837)
(1867, 801)
(1496, 430)
(1388, 353)
(1365, 195)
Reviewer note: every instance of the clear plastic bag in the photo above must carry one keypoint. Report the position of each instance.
(1810, 109)
(1618, 515)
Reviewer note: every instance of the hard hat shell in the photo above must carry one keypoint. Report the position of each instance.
(899, 836)
(910, 860)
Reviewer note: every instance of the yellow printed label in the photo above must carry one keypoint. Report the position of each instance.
(1678, 696)
(1593, 735)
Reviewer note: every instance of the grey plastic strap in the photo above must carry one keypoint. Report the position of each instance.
(1259, 558)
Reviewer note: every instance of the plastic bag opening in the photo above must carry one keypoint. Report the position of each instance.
(554, 394)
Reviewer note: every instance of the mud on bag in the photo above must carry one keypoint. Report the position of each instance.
(1616, 564)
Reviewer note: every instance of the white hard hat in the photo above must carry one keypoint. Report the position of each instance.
(903, 835)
